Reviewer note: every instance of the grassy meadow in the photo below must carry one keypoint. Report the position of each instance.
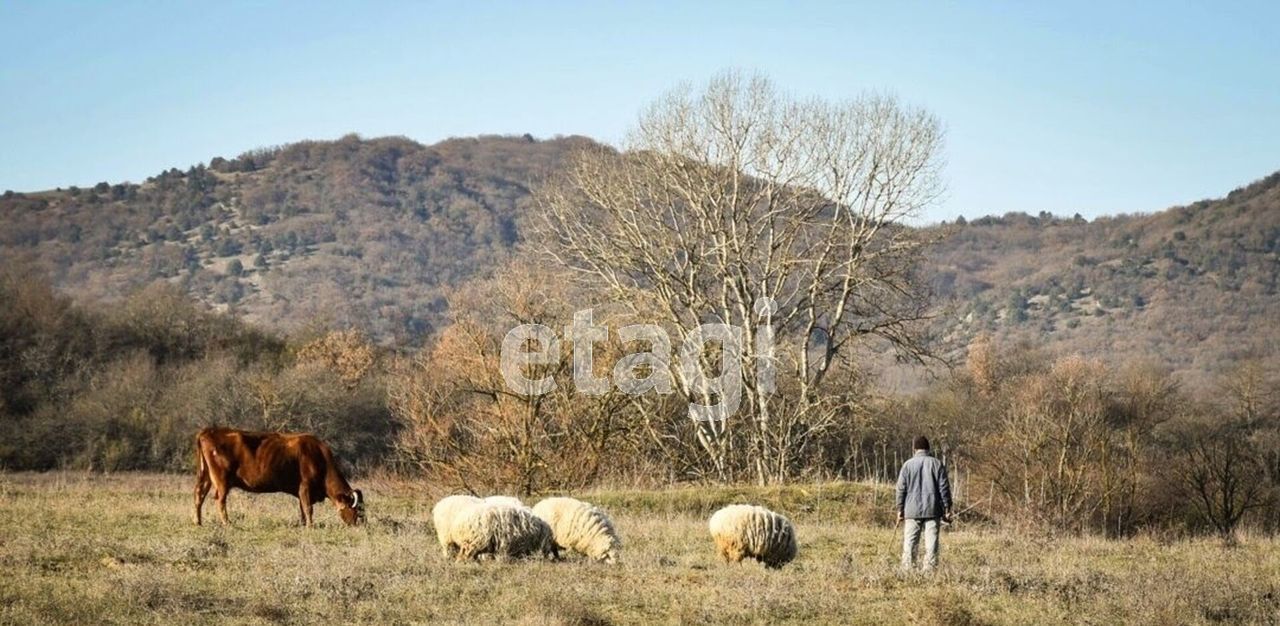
(88, 549)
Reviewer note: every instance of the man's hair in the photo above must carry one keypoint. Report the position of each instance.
(920, 443)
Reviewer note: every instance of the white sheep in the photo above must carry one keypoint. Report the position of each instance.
(743, 530)
(444, 516)
(581, 527)
(450, 508)
(500, 530)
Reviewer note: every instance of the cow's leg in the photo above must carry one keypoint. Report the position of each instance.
(202, 490)
(220, 495)
(304, 502)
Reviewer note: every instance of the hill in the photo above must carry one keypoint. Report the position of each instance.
(1193, 288)
(349, 232)
(373, 233)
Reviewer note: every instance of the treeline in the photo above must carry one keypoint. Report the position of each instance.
(1066, 443)
(125, 385)
(1045, 441)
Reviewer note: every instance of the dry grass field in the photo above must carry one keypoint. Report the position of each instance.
(84, 549)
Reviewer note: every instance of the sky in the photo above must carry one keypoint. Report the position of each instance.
(1116, 107)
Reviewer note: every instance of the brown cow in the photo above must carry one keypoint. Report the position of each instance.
(297, 464)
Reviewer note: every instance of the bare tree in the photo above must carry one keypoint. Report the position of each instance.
(1220, 472)
(347, 353)
(740, 205)
(1067, 438)
(461, 423)
(1249, 393)
(1057, 424)
(1146, 397)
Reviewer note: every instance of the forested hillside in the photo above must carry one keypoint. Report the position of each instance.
(1193, 288)
(372, 233)
(348, 232)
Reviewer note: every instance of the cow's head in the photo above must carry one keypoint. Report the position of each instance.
(351, 507)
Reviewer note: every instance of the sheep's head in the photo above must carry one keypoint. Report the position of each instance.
(608, 548)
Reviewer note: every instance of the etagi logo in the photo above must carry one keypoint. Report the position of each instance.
(641, 372)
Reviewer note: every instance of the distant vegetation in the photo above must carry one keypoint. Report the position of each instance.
(1056, 441)
(125, 385)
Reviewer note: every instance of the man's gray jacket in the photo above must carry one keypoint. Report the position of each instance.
(923, 490)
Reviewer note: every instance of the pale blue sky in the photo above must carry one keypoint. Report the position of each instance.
(1095, 108)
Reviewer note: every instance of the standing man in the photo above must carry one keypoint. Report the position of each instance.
(924, 500)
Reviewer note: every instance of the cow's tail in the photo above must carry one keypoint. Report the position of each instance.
(202, 478)
(202, 469)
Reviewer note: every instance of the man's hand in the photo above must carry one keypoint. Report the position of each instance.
(899, 517)
(946, 517)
